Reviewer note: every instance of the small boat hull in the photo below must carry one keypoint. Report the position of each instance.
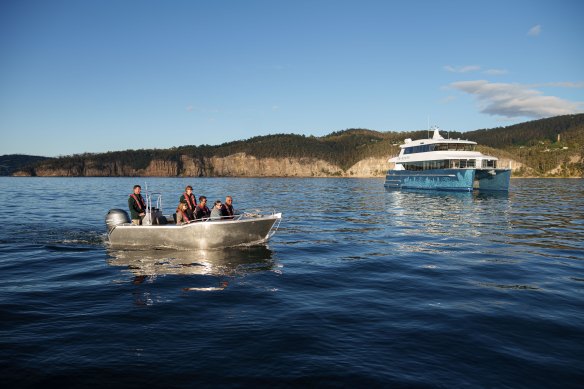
(464, 180)
(198, 235)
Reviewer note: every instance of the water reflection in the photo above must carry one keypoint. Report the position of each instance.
(433, 221)
(453, 194)
(230, 261)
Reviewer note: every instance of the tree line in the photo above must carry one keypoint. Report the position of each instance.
(539, 144)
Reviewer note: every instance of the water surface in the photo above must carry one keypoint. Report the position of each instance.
(359, 287)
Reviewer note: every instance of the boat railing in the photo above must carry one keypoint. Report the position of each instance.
(256, 213)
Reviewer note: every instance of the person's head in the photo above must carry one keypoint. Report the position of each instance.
(217, 204)
(202, 199)
(228, 200)
(182, 206)
(137, 189)
(189, 189)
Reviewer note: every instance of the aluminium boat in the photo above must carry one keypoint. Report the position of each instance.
(445, 164)
(158, 231)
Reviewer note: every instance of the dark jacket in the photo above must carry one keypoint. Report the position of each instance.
(202, 212)
(227, 211)
(136, 207)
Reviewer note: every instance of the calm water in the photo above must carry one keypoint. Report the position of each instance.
(359, 288)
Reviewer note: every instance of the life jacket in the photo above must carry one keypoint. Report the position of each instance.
(190, 198)
(201, 213)
(140, 202)
(228, 210)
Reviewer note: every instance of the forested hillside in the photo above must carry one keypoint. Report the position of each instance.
(546, 147)
(13, 162)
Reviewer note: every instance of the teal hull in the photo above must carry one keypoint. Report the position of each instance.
(463, 180)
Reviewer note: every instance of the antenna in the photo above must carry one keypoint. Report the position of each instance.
(428, 128)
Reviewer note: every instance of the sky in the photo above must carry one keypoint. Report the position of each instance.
(94, 76)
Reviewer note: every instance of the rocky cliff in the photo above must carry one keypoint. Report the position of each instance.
(236, 165)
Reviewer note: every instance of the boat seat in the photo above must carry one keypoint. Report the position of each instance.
(160, 220)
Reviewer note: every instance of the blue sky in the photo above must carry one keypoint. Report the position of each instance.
(94, 76)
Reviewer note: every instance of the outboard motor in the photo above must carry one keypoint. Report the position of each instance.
(116, 217)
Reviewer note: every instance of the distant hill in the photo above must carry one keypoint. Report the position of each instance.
(569, 127)
(546, 147)
(14, 162)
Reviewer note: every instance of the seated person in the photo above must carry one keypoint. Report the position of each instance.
(216, 211)
(201, 211)
(181, 213)
(227, 210)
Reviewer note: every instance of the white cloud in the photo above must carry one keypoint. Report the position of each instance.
(462, 69)
(535, 30)
(565, 84)
(516, 100)
(495, 72)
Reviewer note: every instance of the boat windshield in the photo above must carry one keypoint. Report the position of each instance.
(454, 147)
(440, 164)
(440, 147)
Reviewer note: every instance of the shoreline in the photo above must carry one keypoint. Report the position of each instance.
(292, 177)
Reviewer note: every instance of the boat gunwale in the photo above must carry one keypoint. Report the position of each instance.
(274, 216)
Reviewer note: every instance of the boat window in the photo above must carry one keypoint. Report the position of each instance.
(453, 147)
(419, 149)
(467, 163)
(489, 163)
(426, 165)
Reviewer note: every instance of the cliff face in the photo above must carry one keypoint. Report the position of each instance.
(242, 165)
(236, 165)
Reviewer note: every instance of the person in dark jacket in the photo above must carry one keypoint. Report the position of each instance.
(137, 206)
(189, 198)
(227, 210)
(201, 211)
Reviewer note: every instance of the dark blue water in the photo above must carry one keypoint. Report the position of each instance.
(359, 288)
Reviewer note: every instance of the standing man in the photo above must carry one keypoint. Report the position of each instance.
(137, 206)
(227, 210)
(189, 198)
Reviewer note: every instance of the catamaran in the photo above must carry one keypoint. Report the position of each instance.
(445, 164)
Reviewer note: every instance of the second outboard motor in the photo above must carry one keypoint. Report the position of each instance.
(116, 217)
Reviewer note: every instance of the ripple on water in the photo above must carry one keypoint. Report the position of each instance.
(359, 287)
